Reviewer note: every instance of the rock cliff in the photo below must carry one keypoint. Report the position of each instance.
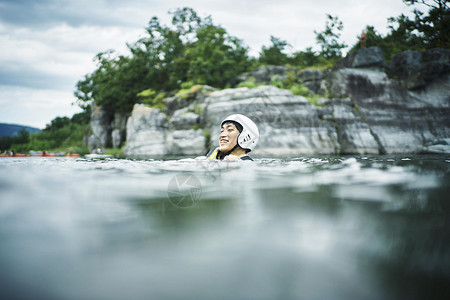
(368, 107)
(106, 129)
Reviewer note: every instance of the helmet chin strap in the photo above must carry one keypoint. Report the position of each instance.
(229, 152)
(232, 149)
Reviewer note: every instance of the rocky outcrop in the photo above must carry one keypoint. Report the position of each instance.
(146, 131)
(311, 78)
(118, 126)
(364, 110)
(416, 70)
(100, 129)
(106, 130)
(401, 119)
(367, 58)
(288, 124)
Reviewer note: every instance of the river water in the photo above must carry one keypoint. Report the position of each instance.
(319, 227)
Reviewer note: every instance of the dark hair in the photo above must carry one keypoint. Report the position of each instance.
(238, 126)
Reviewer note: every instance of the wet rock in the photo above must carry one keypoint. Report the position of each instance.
(441, 147)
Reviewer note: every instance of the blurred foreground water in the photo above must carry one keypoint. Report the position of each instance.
(374, 227)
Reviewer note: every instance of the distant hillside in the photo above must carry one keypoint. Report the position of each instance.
(13, 129)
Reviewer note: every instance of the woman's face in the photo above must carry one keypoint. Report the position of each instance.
(228, 137)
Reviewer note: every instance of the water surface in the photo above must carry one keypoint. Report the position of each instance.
(341, 227)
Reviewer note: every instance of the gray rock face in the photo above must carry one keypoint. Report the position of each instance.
(311, 79)
(398, 119)
(186, 142)
(416, 71)
(106, 130)
(364, 111)
(442, 147)
(118, 126)
(101, 130)
(150, 133)
(355, 83)
(146, 131)
(183, 119)
(283, 119)
(372, 57)
(437, 55)
(196, 95)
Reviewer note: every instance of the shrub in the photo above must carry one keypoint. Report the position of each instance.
(249, 83)
(300, 90)
(152, 98)
(276, 81)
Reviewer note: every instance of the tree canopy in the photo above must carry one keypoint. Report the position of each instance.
(190, 49)
(434, 27)
(425, 31)
(328, 39)
(274, 55)
(193, 50)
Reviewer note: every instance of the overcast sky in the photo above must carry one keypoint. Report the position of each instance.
(46, 46)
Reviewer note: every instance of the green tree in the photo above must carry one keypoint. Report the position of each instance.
(215, 57)
(373, 38)
(163, 51)
(274, 55)
(18, 142)
(62, 133)
(434, 27)
(23, 137)
(328, 39)
(423, 32)
(82, 118)
(5, 143)
(191, 48)
(113, 85)
(401, 37)
(304, 59)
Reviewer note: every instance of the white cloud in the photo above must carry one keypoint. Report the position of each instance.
(62, 50)
(34, 107)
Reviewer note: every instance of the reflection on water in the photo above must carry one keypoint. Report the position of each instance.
(303, 228)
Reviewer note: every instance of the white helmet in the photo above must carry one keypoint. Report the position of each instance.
(249, 136)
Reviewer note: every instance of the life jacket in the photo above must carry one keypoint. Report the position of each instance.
(214, 152)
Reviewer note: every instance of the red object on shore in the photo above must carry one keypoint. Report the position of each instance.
(41, 155)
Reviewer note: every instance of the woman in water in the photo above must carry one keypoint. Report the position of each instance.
(239, 135)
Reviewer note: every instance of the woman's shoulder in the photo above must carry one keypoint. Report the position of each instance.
(211, 151)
